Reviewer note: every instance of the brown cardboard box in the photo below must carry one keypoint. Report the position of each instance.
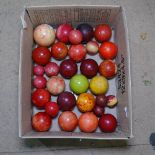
(120, 86)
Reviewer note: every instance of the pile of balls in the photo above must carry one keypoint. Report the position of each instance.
(71, 46)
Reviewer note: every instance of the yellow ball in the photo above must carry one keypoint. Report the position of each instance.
(85, 102)
(99, 85)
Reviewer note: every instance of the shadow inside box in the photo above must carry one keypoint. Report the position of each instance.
(71, 143)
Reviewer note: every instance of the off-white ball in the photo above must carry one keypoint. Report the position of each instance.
(44, 35)
(92, 47)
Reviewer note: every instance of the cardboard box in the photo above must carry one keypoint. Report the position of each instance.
(120, 86)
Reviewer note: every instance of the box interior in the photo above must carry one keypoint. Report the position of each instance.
(94, 15)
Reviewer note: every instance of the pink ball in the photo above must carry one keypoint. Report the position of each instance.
(38, 70)
(39, 82)
(63, 31)
(75, 37)
(51, 69)
(77, 52)
(55, 85)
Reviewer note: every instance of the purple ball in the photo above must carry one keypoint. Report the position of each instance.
(98, 111)
(101, 100)
(87, 32)
(66, 101)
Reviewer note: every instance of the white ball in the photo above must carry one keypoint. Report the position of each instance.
(44, 35)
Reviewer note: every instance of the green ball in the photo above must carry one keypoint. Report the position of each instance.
(79, 84)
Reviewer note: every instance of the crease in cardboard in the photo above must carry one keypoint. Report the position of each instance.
(19, 87)
(24, 24)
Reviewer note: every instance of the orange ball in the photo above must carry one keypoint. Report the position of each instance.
(88, 122)
(68, 121)
(85, 102)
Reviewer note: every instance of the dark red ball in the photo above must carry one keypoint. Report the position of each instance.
(108, 123)
(68, 68)
(66, 101)
(101, 100)
(98, 111)
(89, 68)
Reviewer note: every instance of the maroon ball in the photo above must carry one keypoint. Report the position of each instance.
(108, 123)
(66, 101)
(89, 68)
(101, 100)
(98, 111)
(68, 68)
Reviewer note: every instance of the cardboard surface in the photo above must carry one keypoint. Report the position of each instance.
(113, 15)
(73, 14)
(141, 19)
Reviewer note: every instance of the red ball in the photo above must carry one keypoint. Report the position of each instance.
(103, 32)
(68, 68)
(108, 123)
(41, 122)
(88, 122)
(63, 31)
(51, 69)
(41, 55)
(108, 50)
(108, 69)
(75, 37)
(40, 97)
(59, 50)
(38, 70)
(89, 68)
(68, 121)
(52, 109)
(39, 82)
(77, 52)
